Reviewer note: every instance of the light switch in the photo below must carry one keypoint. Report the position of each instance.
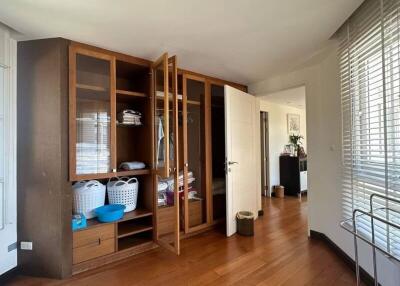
(26, 245)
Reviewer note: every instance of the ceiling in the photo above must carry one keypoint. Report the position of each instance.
(294, 97)
(242, 41)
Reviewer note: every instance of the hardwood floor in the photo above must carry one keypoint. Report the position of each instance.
(280, 253)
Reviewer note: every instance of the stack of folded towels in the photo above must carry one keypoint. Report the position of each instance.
(129, 117)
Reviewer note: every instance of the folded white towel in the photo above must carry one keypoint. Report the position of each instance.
(135, 165)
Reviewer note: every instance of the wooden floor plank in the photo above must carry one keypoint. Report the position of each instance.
(280, 253)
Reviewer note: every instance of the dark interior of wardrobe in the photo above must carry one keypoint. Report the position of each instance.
(218, 151)
(196, 150)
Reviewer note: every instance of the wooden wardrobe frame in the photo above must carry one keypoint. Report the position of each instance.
(78, 48)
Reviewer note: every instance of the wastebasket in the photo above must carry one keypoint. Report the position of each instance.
(279, 191)
(245, 223)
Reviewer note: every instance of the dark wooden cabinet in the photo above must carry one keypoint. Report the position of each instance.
(43, 190)
(293, 174)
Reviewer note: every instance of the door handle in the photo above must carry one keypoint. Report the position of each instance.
(232, 163)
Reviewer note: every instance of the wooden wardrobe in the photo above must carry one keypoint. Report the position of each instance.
(67, 88)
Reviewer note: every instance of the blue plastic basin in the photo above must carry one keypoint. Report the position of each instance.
(110, 213)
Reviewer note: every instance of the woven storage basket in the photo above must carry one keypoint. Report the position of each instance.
(88, 195)
(124, 191)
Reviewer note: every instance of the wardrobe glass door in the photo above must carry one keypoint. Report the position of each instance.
(92, 114)
(166, 154)
(194, 172)
(162, 114)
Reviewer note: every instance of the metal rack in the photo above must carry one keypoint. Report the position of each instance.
(357, 213)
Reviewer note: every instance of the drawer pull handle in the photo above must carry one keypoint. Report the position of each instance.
(94, 243)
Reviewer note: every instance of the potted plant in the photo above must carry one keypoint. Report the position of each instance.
(295, 140)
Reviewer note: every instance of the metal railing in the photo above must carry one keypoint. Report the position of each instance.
(357, 213)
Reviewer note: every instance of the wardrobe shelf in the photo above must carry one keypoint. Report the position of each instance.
(134, 172)
(131, 93)
(135, 214)
(128, 230)
(90, 87)
(129, 242)
(138, 213)
(119, 173)
(192, 102)
(129, 125)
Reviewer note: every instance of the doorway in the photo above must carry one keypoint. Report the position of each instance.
(283, 137)
(264, 135)
(218, 152)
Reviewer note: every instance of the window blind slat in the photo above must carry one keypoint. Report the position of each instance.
(369, 62)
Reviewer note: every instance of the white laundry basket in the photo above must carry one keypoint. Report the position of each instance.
(88, 195)
(124, 191)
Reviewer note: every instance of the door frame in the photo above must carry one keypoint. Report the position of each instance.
(264, 144)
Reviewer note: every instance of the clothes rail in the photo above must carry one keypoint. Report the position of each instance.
(358, 213)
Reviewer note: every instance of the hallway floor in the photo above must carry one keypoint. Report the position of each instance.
(280, 253)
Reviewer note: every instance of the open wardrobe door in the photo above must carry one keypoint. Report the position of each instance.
(164, 72)
(194, 112)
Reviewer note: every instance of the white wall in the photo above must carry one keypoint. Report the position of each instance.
(324, 153)
(278, 136)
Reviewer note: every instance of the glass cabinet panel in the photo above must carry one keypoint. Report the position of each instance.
(163, 111)
(92, 97)
(195, 207)
(2, 131)
(2, 150)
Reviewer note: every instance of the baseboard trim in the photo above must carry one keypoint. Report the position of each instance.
(6, 277)
(364, 275)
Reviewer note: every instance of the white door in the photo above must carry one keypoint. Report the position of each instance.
(242, 139)
(8, 207)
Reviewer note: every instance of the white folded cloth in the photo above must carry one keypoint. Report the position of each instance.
(129, 117)
(135, 165)
(162, 186)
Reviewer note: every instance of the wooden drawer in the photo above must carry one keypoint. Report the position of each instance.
(195, 213)
(166, 220)
(93, 242)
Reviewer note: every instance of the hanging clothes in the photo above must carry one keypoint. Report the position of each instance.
(160, 143)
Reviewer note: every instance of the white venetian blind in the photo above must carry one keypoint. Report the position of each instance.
(369, 72)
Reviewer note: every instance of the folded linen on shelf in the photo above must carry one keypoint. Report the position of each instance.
(129, 117)
(162, 187)
(135, 165)
(92, 158)
(170, 95)
(166, 189)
